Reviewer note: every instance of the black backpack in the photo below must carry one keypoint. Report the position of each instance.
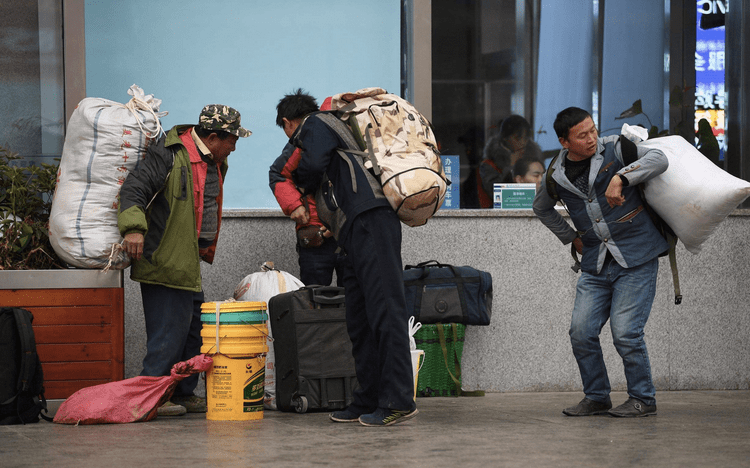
(629, 156)
(21, 379)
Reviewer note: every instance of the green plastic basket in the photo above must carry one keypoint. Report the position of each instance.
(434, 377)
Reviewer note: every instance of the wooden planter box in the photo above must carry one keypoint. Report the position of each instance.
(78, 324)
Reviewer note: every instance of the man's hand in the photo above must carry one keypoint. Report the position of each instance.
(578, 244)
(614, 192)
(300, 215)
(133, 245)
(325, 232)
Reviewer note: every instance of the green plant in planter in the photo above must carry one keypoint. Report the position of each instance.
(25, 202)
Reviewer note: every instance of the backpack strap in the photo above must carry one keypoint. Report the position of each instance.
(362, 139)
(550, 182)
(629, 150)
(551, 186)
(629, 156)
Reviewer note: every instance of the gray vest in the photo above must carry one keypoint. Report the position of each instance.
(626, 229)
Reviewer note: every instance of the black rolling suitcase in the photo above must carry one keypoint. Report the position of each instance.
(314, 363)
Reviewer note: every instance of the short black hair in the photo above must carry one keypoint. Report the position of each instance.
(203, 133)
(515, 125)
(567, 119)
(521, 167)
(295, 106)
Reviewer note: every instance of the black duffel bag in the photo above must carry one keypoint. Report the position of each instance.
(438, 293)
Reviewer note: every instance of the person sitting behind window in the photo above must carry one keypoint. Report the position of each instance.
(501, 152)
(528, 170)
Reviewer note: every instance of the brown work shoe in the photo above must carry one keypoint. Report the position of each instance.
(588, 408)
(192, 403)
(633, 408)
(170, 409)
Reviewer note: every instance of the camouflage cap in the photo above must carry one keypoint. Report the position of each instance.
(223, 118)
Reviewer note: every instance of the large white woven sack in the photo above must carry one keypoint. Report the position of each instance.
(693, 195)
(105, 140)
(261, 287)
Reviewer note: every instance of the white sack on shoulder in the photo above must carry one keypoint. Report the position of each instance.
(693, 195)
(105, 140)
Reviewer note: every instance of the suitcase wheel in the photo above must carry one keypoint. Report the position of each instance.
(300, 404)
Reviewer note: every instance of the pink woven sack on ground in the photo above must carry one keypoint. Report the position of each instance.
(131, 400)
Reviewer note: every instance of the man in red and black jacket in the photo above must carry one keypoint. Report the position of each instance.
(316, 247)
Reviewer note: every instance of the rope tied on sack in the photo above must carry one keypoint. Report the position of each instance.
(114, 254)
(134, 105)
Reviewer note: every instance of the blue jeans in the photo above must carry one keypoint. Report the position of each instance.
(173, 328)
(624, 297)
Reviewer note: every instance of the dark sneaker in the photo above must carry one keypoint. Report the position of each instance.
(192, 403)
(633, 408)
(386, 417)
(344, 416)
(588, 408)
(170, 409)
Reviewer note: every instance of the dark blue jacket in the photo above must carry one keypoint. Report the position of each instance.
(332, 167)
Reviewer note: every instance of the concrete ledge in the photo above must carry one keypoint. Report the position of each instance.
(701, 344)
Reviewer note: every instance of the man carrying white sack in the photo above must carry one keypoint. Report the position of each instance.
(170, 216)
(619, 247)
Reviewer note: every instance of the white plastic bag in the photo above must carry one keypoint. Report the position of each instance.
(105, 140)
(693, 195)
(413, 328)
(261, 287)
(417, 355)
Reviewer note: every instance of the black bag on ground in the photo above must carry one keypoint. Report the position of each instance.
(21, 378)
(438, 293)
(314, 362)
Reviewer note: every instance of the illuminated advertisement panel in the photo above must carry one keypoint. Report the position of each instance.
(709, 67)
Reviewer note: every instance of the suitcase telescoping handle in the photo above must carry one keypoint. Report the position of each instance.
(431, 263)
(327, 295)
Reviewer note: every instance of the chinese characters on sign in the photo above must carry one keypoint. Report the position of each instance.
(514, 196)
(452, 168)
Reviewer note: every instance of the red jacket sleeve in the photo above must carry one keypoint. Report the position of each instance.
(284, 189)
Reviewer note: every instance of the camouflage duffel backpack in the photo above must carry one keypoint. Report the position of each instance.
(400, 149)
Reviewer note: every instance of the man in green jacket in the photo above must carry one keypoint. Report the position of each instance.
(170, 216)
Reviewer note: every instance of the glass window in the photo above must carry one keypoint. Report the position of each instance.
(31, 104)
(479, 52)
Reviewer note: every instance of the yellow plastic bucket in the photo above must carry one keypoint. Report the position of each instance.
(237, 313)
(235, 388)
(232, 306)
(236, 340)
(235, 385)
